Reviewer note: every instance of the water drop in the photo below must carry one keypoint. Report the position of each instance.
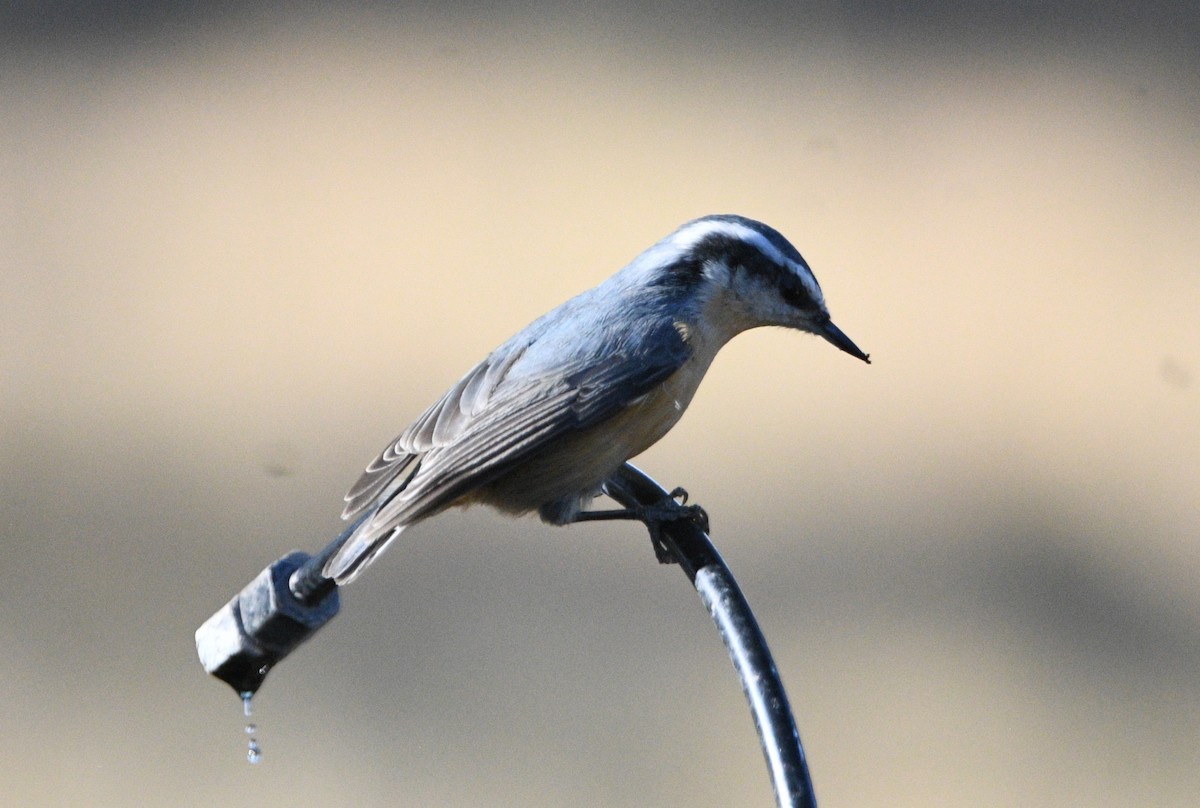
(253, 750)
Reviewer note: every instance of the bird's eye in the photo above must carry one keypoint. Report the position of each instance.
(794, 293)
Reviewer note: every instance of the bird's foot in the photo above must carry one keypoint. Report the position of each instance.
(671, 509)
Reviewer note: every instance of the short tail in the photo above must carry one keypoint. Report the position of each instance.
(356, 554)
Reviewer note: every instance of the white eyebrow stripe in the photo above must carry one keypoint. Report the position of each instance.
(692, 234)
(810, 283)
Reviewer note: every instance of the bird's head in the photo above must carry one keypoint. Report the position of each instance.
(745, 274)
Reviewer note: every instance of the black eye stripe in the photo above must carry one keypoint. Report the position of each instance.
(745, 257)
(797, 295)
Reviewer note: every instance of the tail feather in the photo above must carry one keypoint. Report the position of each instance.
(363, 547)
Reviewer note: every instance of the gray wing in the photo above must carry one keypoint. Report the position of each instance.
(438, 426)
(490, 421)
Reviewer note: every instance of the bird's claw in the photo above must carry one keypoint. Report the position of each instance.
(672, 508)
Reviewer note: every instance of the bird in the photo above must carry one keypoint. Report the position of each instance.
(549, 416)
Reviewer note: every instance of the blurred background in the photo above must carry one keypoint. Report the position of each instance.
(241, 248)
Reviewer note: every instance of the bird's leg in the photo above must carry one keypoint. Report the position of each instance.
(671, 508)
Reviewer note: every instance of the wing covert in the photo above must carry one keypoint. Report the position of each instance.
(490, 421)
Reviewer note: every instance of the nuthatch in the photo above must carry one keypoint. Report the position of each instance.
(544, 421)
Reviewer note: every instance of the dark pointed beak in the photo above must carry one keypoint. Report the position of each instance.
(835, 336)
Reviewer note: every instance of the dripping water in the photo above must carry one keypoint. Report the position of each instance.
(253, 750)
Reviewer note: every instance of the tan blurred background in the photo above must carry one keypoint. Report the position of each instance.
(240, 249)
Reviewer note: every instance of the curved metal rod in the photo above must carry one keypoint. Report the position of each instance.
(739, 630)
(291, 600)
